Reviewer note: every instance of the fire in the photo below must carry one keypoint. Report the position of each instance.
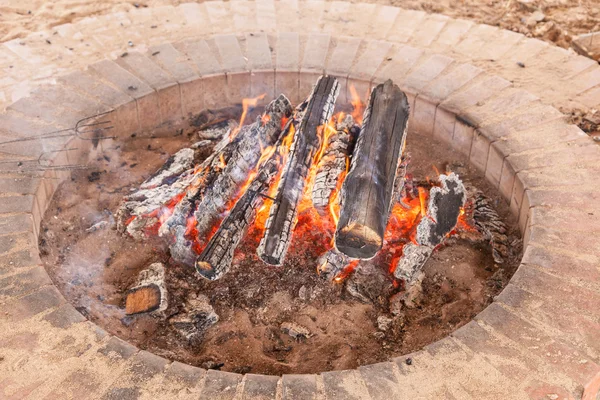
(246, 105)
(357, 104)
(423, 201)
(345, 273)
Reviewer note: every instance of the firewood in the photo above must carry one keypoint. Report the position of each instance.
(333, 164)
(199, 213)
(368, 189)
(283, 212)
(331, 264)
(217, 256)
(443, 209)
(488, 222)
(150, 292)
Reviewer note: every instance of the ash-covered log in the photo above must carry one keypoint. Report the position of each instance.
(368, 189)
(488, 222)
(217, 256)
(283, 212)
(199, 213)
(333, 163)
(443, 209)
(332, 263)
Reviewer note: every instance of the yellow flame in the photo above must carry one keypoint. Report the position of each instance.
(246, 104)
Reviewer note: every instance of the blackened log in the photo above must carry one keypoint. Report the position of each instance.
(205, 205)
(488, 222)
(332, 263)
(332, 164)
(443, 209)
(368, 189)
(283, 212)
(217, 256)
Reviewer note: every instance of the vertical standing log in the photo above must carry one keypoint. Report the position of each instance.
(283, 212)
(368, 189)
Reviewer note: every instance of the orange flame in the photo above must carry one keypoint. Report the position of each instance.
(423, 200)
(345, 273)
(246, 104)
(357, 104)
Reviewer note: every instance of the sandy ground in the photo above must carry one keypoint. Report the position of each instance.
(556, 21)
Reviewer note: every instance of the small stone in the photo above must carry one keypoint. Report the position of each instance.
(521, 64)
(409, 361)
(198, 317)
(202, 143)
(98, 226)
(130, 43)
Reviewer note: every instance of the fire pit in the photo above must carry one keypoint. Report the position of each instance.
(282, 238)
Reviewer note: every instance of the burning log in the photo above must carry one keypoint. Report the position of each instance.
(333, 164)
(443, 209)
(368, 189)
(282, 214)
(332, 263)
(217, 256)
(209, 197)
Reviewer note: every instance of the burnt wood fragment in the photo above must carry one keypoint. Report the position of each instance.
(368, 189)
(283, 212)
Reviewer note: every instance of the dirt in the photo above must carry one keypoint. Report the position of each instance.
(95, 269)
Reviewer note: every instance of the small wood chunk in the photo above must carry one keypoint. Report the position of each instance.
(143, 299)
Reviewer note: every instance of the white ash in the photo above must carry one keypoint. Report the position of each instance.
(412, 261)
(384, 323)
(202, 143)
(219, 131)
(198, 317)
(331, 263)
(175, 166)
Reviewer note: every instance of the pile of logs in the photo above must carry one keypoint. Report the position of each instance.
(204, 209)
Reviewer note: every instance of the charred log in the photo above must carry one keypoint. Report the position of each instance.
(331, 264)
(332, 164)
(217, 256)
(208, 198)
(368, 189)
(443, 209)
(488, 222)
(283, 212)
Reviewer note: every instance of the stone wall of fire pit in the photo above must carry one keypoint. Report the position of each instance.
(149, 69)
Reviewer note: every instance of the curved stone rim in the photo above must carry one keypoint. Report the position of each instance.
(519, 141)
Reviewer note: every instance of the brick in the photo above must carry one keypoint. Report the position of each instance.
(566, 359)
(313, 61)
(90, 85)
(82, 383)
(366, 65)
(527, 117)
(116, 346)
(266, 15)
(541, 391)
(380, 380)
(17, 242)
(195, 16)
(310, 16)
(423, 117)
(32, 304)
(230, 53)
(499, 46)
(578, 268)
(18, 260)
(480, 147)
(145, 365)
(428, 30)
(260, 387)
(447, 83)
(70, 99)
(202, 56)
(557, 321)
(540, 136)
(299, 387)
(219, 15)
(64, 316)
(220, 385)
(475, 93)
(590, 98)
(495, 163)
(173, 61)
(426, 72)
(501, 353)
(397, 66)
(567, 219)
(283, 9)
(340, 61)
(479, 36)
(121, 78)
(244, 16)
(443, 128)
(406, 24)
(334, 17)
(385, 17)
(23, 283)
(462, 139)
(585, 81)
(452, 34)
(344, 385)
(359, 17)
(260, 63)
(122, 393)
(184, 374)
(169, 95)
(16, 223)
(36, 107)
(507, 102)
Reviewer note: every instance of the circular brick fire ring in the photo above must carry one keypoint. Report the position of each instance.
(539, 339)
